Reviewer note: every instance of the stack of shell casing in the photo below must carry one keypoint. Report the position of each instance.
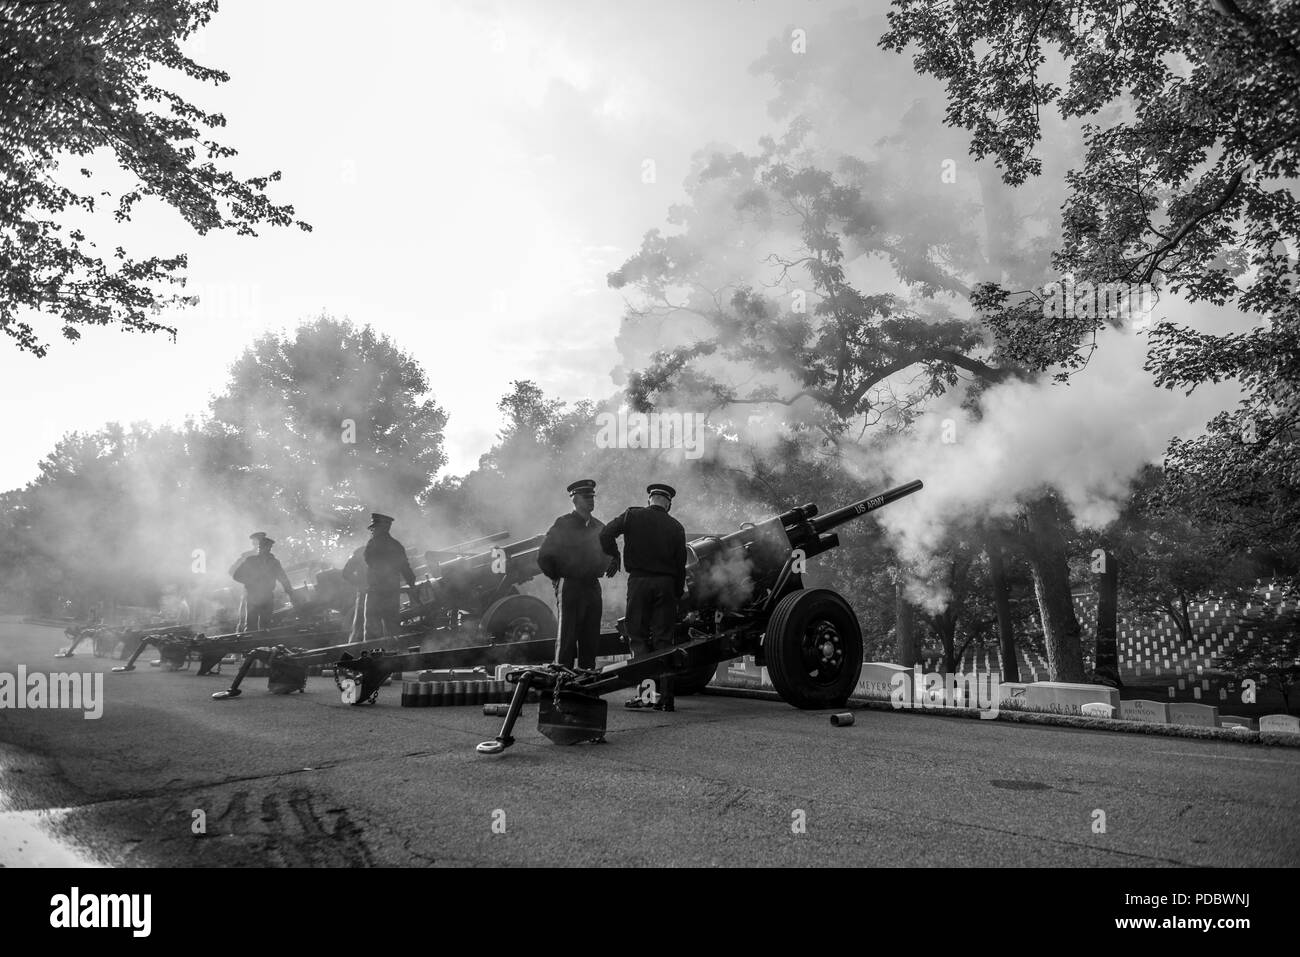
(437, 694)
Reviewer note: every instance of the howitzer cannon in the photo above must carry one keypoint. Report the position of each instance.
(178, 645)
(109, 640)
(288, 668)
(474, 595)
(310, 622)
(481, 590)
(745, 596)
(80, 633)
(360, 668)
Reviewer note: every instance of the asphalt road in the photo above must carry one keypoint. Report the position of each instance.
(306, 780)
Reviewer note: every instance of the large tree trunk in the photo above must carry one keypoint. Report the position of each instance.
(945, 626)
(1046, 552)
(1107, 665)
(1002, 605)
(905, 650)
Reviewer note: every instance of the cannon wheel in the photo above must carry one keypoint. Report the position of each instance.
(813, 648)
(519, 618)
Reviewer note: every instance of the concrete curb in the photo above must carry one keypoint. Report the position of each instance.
(1278, 739)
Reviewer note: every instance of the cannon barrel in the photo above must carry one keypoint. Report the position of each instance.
(460, 549)
(833, 519)
(469, 582)
(765, 546)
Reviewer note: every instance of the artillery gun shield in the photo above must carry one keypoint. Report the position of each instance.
(813, 648)
(570, 717)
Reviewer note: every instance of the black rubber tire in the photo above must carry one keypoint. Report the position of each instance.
(799, 672)
(519, 618)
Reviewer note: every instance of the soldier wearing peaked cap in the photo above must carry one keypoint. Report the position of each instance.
(572, 557)
(386, 567)
(354, 574)
(258, 572)
(654, 554)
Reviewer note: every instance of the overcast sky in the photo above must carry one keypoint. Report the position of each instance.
(472, 172)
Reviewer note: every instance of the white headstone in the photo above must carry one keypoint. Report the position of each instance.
(1284, 723)
(1195, 715)
(1013, 691)
(877, 679)
(1147, 712)
(1095, 709)
(1064, 697)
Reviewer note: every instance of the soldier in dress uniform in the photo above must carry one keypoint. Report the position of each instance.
(571, 556)
(354, 574)
(386, 568)
(258, 572)
(654, 555)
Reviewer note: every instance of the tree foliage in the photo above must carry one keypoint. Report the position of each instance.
(331, 422)
(1191, 130)
(79, 79)
(122, 512)
(802, 332)
(1168, 561)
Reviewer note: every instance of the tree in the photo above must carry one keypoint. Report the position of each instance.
(520, 481)
(1270, 650)
(115, 515)
(960, 615)
(804, 337)
(328, 423)
(1191, 142)
(1168, 561)
(79, 78)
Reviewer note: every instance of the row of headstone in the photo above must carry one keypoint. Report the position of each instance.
(1055, 697)
(1202, 716)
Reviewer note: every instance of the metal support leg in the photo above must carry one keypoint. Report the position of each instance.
(139, 649)
(504, 739)
(257, 654)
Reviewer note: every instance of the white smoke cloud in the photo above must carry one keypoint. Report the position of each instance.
(1086, 439)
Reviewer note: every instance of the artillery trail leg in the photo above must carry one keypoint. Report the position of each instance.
(67, 652)
(233, 691)
(130, 662)
(504, 739)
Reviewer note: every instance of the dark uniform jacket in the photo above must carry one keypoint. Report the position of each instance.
(386, 564)
(654, 543)
(258, 573)
(572, 549)
(354, 571)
